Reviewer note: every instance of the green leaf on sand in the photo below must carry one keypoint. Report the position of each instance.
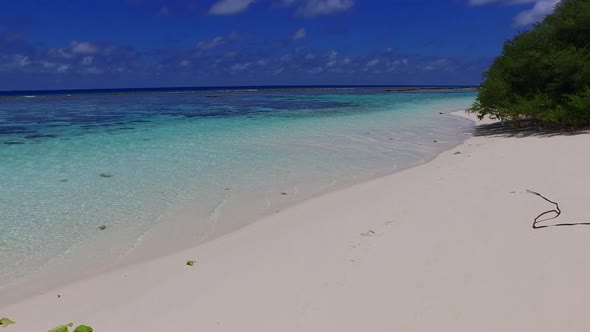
(4, 322)
(83, 328)
(190, 262)
(62, 328)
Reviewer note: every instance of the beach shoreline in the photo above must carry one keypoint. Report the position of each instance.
(40, 282)
(95, 195)
(446, 245)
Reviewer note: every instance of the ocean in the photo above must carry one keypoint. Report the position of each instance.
(91, 177)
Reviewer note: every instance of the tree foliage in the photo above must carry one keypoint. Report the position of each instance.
(543, 74)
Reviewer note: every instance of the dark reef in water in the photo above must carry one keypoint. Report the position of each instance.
(434, 88)
(36, 136)
(14, 130)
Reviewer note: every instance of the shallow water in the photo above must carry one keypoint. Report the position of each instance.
(70, 164)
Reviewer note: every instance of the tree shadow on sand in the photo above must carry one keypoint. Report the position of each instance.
(526, 129)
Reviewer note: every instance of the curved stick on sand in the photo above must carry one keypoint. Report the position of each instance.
(557, 212)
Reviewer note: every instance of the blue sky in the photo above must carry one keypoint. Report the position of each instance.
(64, 44)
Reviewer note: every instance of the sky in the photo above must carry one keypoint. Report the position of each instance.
(79, 44)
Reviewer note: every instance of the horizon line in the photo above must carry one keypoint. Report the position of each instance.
(253, 86)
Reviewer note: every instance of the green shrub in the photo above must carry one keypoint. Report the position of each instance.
(543, 74)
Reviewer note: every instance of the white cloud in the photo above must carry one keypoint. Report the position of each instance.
(63, 68)
(216, 42)
(241, 66)
(306, 8)
(311, 8)
(509, 2)
(211, 44)
(92, 70)
(372, 63)
(439, 64)
(74, 49)
(87, 60)
(47, 64)
(22, 60)
(229, 7)
(541, 8)
(333, 55)
(83, 48)
(315, 70)
(299, 34)
(59, 53)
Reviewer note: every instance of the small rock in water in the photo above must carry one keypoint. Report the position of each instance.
(440, 113)
(106, 175)
(63, 180)
(102, 227)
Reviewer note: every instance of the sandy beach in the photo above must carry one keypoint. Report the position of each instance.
(446, 246)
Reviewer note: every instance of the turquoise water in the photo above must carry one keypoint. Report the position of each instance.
(130, 162)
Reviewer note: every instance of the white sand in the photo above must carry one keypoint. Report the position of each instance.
(452, 250)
